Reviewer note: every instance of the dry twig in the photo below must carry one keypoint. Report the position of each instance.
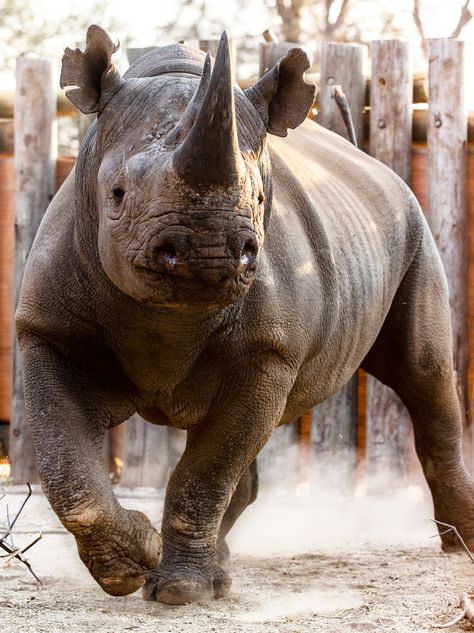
(12, 551)
(466, 605)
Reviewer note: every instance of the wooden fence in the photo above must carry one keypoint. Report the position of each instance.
(365, 424)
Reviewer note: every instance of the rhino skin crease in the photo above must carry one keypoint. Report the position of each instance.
(217, 280)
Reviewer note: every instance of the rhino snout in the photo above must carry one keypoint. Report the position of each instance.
(210, 259)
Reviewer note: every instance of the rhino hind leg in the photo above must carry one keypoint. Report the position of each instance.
(413, 356)
(245, 494)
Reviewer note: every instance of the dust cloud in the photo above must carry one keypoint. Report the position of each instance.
(321, 508)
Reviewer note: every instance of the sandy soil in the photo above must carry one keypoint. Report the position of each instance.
(340, 584)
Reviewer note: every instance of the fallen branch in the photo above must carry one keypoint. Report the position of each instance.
(451, 528)
(466, 605)
(12, 551)
(466, 613)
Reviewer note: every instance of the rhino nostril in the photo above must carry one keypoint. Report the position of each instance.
(249, 252)
(166, 255)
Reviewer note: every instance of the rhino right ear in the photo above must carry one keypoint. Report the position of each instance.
(282, 97)
(92, 72)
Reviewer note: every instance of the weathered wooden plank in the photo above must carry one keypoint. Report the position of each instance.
(7, 192)
(211, 46)
(447, 213)
(334, 438)
(145, 454)
(334, 432)
(271, 53)
(278, 461)
(342, 65)
(134, 53)
(388, 429)
(390, 105)
(35, 165)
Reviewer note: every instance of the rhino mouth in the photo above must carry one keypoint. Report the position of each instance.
(192, 291)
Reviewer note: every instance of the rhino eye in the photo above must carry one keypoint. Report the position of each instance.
(261, 198)
(118, 193)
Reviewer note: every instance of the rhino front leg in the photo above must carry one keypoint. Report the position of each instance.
(201, 487)
(68, 415)
(245, 494)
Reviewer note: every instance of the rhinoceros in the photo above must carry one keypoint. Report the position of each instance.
(215, 279)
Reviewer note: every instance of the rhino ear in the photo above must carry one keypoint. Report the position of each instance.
(97, 80)
(282, 97)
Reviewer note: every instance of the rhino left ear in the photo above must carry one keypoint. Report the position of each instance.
(97, 80)
(282, 97)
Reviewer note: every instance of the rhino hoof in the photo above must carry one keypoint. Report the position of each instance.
(177, 591)
(121, 586)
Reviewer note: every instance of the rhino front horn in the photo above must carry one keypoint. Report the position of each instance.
(210, 154)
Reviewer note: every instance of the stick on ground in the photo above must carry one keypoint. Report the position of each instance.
(12, 551)
(466, 605)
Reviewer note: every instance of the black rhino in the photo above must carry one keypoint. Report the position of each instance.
(219, 281)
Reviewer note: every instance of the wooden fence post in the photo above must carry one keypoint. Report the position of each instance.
(342, 65)
(211, 46)
(270, 54)
(145, 454)
(447, 216)
(35, 169)
(334, 431)
(388, 430)
(134, 53)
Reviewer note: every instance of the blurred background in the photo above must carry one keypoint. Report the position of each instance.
(45, 27)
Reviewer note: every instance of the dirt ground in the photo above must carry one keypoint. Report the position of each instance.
(380, 572)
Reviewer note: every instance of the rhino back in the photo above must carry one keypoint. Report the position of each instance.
(344, 230)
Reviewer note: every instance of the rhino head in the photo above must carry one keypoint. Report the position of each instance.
(181, 183)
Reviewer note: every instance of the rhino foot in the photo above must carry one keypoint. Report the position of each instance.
(450, 542)
(119, 557)
(222, 551)
(173, 588)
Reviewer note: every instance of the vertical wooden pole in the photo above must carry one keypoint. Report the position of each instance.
(211, 46)
(7, 194)
(35, 168)
(271, 53)
(391, 105)
(342, 65)
(389, 434)
(334, 432)
(145, 454)
(447, 137)
(135, 53)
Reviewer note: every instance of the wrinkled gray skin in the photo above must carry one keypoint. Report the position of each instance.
(222, 282)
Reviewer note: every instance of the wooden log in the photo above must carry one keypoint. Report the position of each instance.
(335, 421)
(342, 65)
(35, 164)
(7, 192)
(145, 454)
(388, 429)
(447, 213)
(270, 54)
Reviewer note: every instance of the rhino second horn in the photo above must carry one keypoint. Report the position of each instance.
(182, 127)
(210, 154)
